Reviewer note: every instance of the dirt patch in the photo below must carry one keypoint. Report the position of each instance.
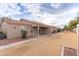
(44, 46)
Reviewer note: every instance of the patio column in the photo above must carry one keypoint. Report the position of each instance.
(38, 30)
(78, 40)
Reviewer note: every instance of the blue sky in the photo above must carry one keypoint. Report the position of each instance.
(55, 14)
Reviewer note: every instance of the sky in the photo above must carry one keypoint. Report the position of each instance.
(54, 14)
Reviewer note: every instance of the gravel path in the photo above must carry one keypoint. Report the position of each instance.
(44, 46)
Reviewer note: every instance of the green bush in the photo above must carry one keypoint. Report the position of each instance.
(53, 31)
(72, 24)
(2, 35)
(59, 30)
(24, 33)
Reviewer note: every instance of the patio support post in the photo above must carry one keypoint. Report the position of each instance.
(78, 40)
(38, 30)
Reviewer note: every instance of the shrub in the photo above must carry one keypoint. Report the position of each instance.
(23, 32)
(59, 30)
(53, 31)
(2, 35)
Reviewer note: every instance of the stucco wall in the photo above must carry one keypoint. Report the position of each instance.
(50, 30)
(13, 31)
(28, 29)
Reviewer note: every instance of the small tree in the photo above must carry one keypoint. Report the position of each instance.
(24, 33)
(53, 31)
(59, 30)
(77, 20)
(72, 24)
(65, 27)
(2, 35)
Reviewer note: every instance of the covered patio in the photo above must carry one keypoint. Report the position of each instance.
(39, 30)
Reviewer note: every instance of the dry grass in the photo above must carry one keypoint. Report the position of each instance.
(44, 46)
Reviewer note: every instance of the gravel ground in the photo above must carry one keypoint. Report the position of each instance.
(49, 45)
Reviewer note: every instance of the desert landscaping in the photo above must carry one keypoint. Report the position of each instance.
(47, 45)
(48, 29)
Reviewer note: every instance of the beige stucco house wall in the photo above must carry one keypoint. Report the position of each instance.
(12, 28)
(13, 31)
